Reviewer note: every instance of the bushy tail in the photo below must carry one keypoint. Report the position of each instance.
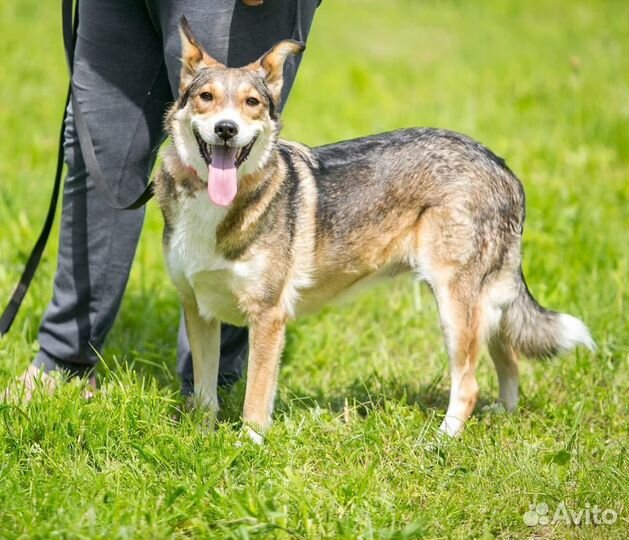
(538, 332)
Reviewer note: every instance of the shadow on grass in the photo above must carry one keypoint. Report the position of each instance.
(363, 396)
(144, 340)
(367, 395)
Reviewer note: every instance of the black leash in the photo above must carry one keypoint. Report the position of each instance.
(69, 24)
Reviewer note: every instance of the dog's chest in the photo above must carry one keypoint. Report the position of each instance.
(198, 269)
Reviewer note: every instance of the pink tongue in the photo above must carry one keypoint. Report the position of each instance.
(221, 182)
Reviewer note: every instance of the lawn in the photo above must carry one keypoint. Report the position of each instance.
(364, 385)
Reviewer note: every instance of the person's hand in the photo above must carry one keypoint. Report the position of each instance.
(253, 2)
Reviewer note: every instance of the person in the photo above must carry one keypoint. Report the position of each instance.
(125, 74)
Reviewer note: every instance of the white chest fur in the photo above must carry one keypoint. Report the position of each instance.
(198, 271)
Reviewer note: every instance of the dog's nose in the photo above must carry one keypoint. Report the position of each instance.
(226, 129)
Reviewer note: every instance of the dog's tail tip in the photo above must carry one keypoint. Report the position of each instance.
(574, 332)
(538, 332)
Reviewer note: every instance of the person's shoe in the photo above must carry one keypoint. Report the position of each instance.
(35, 379)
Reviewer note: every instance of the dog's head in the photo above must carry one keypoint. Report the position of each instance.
(225, 122)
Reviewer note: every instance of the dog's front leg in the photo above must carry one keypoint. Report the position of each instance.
(266, 341)
(205, 343)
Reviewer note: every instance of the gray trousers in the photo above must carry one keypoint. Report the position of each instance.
(126, 72)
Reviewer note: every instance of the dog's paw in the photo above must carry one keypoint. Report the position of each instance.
(256, 437)
(248, 432)
(436, 448)
(202, 412)
(498, 408)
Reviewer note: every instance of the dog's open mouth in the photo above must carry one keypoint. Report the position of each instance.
(222, 161)
(206, 150)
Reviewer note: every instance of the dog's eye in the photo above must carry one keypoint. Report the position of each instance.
(252, 102)
(206, 96)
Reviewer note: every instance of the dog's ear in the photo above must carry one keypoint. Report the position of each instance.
(193, 55)
(271, 64)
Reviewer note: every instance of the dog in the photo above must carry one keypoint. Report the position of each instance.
(259, 231)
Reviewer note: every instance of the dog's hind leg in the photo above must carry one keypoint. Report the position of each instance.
(506, 362)
(266, 342)
(460, 312)
(205, 344)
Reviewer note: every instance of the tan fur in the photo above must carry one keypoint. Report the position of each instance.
(309, 226)
(272, 64)
(193, 56)
(267, 333)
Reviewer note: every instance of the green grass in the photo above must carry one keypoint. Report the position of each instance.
(543, 83)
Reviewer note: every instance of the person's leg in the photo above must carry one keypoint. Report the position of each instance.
(122, 90)
(236, 35)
